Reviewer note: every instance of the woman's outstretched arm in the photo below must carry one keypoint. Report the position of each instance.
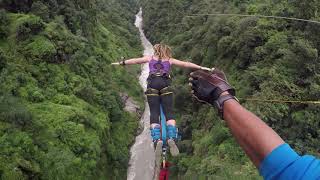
(140, 60)
(187, 64)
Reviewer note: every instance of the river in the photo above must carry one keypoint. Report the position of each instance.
(141, 164)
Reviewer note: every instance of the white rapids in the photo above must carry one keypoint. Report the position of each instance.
(141, 164)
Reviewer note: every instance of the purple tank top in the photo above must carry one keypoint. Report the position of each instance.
(158, 66)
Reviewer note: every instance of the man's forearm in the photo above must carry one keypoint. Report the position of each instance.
(254, 136)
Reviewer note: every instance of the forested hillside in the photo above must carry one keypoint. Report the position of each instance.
(264, 58)
(61, 116)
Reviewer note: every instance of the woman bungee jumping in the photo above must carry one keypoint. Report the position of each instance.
(159, 92)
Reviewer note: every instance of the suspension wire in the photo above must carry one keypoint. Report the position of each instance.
(259, 16)
(275, 17)
(280, 101)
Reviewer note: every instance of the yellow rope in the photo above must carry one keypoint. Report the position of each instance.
(166, 93)
(152, 94)
(280, 101)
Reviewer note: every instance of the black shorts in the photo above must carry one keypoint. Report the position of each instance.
(159, 83)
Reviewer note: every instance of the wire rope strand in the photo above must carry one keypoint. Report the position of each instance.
(259, 16)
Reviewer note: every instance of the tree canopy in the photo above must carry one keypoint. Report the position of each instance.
(61, 116)
(264, 58)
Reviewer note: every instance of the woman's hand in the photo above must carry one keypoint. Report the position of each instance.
(207, 69)
(122, 62)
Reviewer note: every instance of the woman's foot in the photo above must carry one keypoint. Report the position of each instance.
(155, 132)
(173, 147)
(156, 138)
(158, 152)
(172, 135)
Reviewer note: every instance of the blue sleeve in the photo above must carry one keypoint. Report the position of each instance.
(284, 163)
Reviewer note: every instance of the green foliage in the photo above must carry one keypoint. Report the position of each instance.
(16, 5)
(12, 111)
(27, 26)
(40, 9)
(264, 58)
(61, 116)
(3, 60)
(39, 49)
(4, 21)
(65, 43)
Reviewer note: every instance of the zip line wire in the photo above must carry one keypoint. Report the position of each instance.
(259, 16)
(280, 101)
(263, 16)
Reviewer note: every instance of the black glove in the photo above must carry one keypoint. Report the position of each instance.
(208, 86)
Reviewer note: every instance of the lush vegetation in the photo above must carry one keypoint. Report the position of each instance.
(61, 116)
(263, 58)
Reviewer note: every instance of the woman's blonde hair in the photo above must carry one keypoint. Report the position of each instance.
(162, 51)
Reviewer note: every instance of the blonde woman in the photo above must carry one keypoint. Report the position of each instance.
(159, 92)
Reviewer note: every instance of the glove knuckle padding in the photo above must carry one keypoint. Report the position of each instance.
(209, 86)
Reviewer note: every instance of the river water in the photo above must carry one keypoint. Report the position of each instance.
(141, 164)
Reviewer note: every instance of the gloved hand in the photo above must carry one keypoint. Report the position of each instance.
(208, 86)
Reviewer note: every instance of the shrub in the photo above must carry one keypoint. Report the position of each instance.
(4, 21)
(87, 94)
(40, 9)
(2, 60)
(31, 92)
(40, 49)
(62, 99)
(65, 42)
(27, 26)
(12, 111)
(36, 96)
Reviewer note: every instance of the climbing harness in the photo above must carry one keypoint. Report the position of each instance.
(152, 92)
(161, 92)
(166, 91)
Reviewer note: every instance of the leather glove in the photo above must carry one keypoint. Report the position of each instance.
(208, 86)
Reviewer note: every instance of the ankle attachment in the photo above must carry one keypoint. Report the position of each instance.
(155, 133)
(172, 132)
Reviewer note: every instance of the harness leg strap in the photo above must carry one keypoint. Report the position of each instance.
(166, 91)
(152, 92)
